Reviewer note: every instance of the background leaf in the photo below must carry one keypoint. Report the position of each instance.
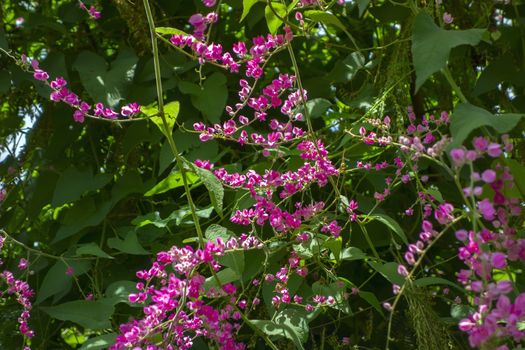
(92, 315)
(173, 180)
(214, 186)
(392, 224)
(273, 22)
(99, 342)
(466, 118)
(431, 45)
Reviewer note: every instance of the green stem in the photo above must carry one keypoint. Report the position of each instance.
(180, 160)
(259, 332)
(167, 129)
(408, 279)
(306, 113)
(41, 253)
(453, 85)
(369, 241)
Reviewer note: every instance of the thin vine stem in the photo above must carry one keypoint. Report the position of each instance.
(408, 279)
(167, 129)
(39, 252)
(454, 85)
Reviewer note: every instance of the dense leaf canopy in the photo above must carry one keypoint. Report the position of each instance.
(89, 204)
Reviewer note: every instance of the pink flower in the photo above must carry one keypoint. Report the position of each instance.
(465, 325)
(443, 213)
(447, 18)
(130, 110)
(39, 74)
(78, 116)
(93, 12)
(486, 209)
(58, 83)
(229, 288)
(197, 20)
(494, 150)
(402, 270)
(209, 3)
(458, 156)
(480, 143)
(488, 176)
(22, 264)
(498, 260)
(409, 258)
(332, 228)
(462, 235)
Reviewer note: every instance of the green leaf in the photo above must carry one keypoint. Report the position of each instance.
(466, 118)
(3, 40)
(246, 6)
(234, 260)
(169, 31)
(325, 18)
(55, 65)
(372, 300)
(129, 245)
(92, 315)
(289, 323)
(171, 111)
(429, 281)
(272, 20)
(57, 282)
(352, 253)
(335, 245)
(103, 84)
(211, 98)
(40, 191)
(459, 311)
(336, 290)
(5, 81)
(434, 192)
(362, 5)
(118, 292)
(214, 186)
(518, 172)
(316, 107)
(173, 180)
(392, 224)
(152, 218)
(99, 342)
(501, 69)
(85, 213)
(431, 45)
(129, 183)
(345, 70)
(73, 183)
(215, 231)
(389, 271)
(226, 275)
(92, 249)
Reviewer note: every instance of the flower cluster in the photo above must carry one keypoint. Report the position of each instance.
(197, 291)
(178, 299)
(23, 293)
(92, 11)
(60, 93)
(253, 58)
(490, 247)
